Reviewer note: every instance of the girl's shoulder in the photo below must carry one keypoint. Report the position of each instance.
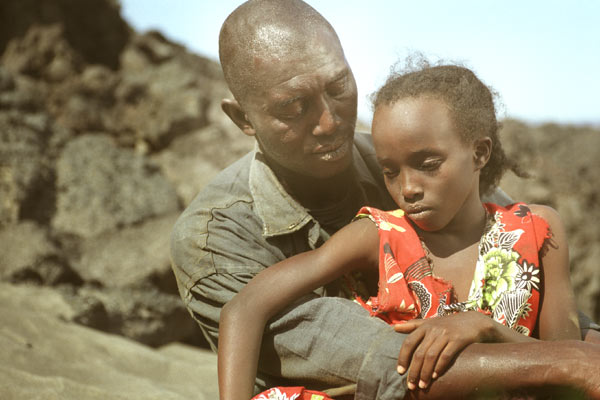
(538, 219)
(546, 212)
(386, 220)
(521, 209)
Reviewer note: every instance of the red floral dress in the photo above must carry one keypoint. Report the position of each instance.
(291, 393)
(506, 283)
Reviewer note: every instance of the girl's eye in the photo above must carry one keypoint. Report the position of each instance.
(431, 164)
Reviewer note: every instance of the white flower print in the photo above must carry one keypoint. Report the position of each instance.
(276, 394)
(527, 277)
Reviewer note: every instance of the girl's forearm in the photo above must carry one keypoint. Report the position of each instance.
(240, 335)
(504, 334)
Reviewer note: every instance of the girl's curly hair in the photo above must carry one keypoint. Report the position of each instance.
(471, 105)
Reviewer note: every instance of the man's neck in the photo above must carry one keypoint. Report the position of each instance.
(315, 193)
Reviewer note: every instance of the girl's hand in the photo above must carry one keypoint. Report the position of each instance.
(434, 342)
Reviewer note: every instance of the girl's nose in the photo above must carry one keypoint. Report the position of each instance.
(411, 189)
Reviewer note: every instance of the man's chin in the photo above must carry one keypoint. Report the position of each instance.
(332, 168)
(336, 155)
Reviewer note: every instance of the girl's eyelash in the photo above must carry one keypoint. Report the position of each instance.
(431, 165)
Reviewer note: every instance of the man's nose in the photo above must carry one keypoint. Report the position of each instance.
(327, 123)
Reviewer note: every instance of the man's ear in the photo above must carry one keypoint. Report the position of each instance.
(233, 109)
(482, 151)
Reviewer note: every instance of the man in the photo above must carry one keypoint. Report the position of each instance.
(295, 93)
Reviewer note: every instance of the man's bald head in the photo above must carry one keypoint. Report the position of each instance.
(261, 32)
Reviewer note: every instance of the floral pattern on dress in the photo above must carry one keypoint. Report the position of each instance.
(506, 280)
(291, 393)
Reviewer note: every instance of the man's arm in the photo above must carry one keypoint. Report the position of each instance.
(525, 368)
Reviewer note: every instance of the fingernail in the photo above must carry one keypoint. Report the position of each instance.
(411, 386)
(422, 384)
(434, 375)
(401, 369)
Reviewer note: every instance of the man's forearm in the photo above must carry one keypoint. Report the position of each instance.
(484, 369)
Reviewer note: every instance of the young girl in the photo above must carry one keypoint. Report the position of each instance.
(490, 273)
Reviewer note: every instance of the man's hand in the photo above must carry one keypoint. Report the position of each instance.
(433, 343)
(580, 368)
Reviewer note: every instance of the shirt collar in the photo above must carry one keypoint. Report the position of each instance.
(281, 213)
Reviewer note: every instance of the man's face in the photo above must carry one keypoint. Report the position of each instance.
(304, 111)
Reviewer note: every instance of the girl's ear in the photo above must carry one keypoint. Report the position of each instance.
(235, 112)
(482, 151)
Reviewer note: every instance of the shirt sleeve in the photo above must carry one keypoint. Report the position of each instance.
(318, 342)
(586, 322)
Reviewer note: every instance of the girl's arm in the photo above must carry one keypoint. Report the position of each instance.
(558, 312)
(243, 319)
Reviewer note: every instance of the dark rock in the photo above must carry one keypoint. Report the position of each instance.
(25, 95)
(22, 164)
(7, 82)
(142, 314)
(194, 159)
(43, 54)
(130, 257)
(162, 95)
(93, 28)
(101, 187)
(28, 255)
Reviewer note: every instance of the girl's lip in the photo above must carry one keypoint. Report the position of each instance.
(416, 210)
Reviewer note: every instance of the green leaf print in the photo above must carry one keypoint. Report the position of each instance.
(500, 270)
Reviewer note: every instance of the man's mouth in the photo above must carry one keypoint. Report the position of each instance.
(333, 151)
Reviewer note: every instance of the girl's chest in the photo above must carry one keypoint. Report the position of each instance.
(458, 269)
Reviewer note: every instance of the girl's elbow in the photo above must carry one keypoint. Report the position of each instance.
(229, 311)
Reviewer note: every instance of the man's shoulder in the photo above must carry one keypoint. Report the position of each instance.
(364, 142)
(228, 186)
(227, 193)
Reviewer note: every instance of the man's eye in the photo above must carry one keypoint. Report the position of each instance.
(292, 110)
(337, 88)
(390, 173)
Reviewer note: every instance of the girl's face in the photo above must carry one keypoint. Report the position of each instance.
(431, 173)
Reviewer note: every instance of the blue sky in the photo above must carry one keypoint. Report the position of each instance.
(543, 57)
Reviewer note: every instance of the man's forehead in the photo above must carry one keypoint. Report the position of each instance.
(278, 41)
(276, 78)
(274, 38)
